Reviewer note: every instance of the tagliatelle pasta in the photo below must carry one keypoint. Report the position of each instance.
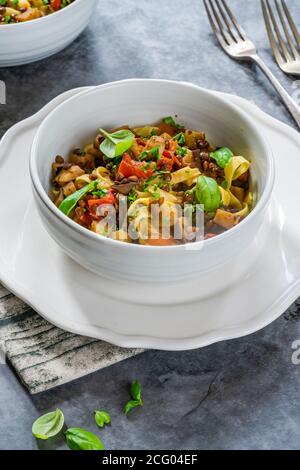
(156, 185)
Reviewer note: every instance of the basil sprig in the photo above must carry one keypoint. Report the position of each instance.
(222, 156)
(135, 392)
(117, 143)
(48, 425)
(80, 439)
(102, 418)
(70, 202)
(208, 194)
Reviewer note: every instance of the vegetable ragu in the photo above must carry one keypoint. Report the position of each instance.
(163, 166)
(19, 11)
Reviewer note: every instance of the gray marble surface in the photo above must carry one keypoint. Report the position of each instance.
(242, 394)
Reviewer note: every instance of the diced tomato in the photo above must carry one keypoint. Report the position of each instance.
(129, 167)
(167, 154)
(165, 164)
(55, 4)
(177, 162)
(108, 199)
(86, 219)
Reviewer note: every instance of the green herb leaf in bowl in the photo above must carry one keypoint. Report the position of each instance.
(222, 156)
(70, 202)
(208, 194)
(48, 425)
(80, 439)
(117, 143)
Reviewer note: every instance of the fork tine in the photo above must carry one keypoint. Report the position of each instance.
(235, 22)
(284, 49)
(286, 31)
(272, 39)
(225, 20)
(223, 32)
(214, 26)
(291, 23)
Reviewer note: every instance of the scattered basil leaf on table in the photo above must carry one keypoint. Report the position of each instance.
(222, 156)
(135, 392)
(70, 202)
(208, 194)
(130, 405)
(48, 425)
(117, 143)
(80, 439)
(102, 418)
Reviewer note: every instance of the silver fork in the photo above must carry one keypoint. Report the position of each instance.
(238, 46)
(287, 54)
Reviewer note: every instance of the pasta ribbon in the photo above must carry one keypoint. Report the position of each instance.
(103, 176)
(185, 175)
(235, 168)
(167, 196)
(229, 199)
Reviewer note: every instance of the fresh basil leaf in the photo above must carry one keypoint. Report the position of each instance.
(102, 418)
(48, 425)
(208, 194)
(171, 122)
(154, 152)
(117, 143)
(222, 156)
(135, 390)
(131, 405)
(181, 151)
(80, 439)
(180, 138)
(70, 202)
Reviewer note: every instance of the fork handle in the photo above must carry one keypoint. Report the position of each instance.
(289, 102)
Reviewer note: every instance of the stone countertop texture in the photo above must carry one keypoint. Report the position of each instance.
(241, 394)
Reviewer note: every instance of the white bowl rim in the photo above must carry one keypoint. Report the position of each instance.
(46, 200)
(39, 20)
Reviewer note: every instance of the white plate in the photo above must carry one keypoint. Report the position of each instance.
(35, 269)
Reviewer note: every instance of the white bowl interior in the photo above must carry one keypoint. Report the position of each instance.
(137, 102)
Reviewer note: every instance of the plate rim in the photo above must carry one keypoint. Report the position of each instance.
(257, 323)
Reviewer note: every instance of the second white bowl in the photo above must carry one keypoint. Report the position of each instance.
(22, 43)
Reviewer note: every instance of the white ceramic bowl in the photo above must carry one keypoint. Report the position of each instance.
(22, 43)
(75, 122)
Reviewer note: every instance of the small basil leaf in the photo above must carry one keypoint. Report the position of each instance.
(102, 418)
(135, 390)
(207, 192)
(80, 439)
(171, 122)
(131, 405)
(222, 156)
(48, 425)
(180, 138)
(70, 202)
(153, 153)
(117, 143)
